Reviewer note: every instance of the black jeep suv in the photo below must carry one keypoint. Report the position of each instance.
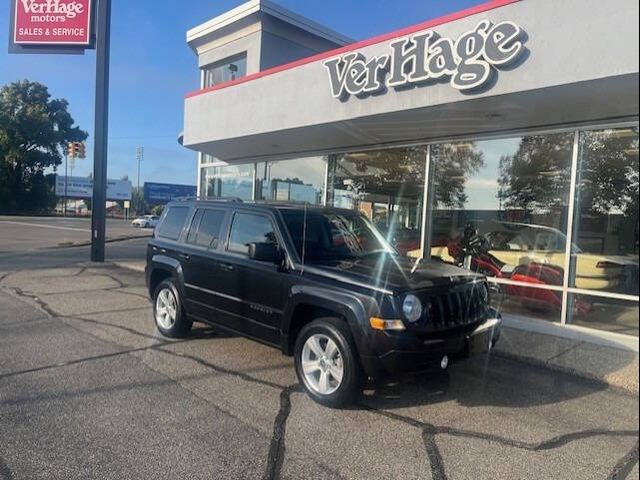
(321, 284)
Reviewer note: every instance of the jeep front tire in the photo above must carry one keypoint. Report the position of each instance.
(168, 312)
(327, 363)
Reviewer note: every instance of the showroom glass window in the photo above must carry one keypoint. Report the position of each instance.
(387, 186)
(297, 180)
(513, 194)
(225, 70)
(605, 256)
(228, 181)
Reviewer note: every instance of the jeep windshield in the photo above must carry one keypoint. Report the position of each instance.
(333, 235)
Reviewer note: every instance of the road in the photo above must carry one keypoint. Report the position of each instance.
(20, 234)
(88, 389)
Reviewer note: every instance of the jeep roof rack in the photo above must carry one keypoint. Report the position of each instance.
(210, 199)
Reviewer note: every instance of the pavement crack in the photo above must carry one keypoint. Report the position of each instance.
(132, 294)
(430, 432)
(120, 283)
(41, 303)
(625, 465)
(558, 355)
(112, 325)
(433, 453)
(23, 322)
(81, 360)
(80, 272)
(5, 471)
(226, 371)
(277, 446)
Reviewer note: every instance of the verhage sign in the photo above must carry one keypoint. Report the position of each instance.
(52, 22)
(467, 61)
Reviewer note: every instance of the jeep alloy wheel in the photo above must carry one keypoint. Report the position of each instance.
(322, 364)
(166, 308)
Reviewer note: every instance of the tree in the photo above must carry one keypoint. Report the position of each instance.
(537, 177)
(137, 201)
(393, 172)
(454, 164)
(609, 172)
(34, 129)
(157, 210)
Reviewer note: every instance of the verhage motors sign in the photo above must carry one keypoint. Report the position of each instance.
(52, 22)
(467, 61)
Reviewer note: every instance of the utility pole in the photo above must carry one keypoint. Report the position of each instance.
(66, 179)
(139, 157)
(99, 200)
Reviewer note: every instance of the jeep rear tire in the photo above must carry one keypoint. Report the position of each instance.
(168, 312)
(327, 363)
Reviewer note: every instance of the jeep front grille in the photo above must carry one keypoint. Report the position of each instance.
(459, 306)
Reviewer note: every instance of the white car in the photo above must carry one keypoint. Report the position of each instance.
(146, 221)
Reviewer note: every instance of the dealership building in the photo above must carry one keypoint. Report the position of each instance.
(515, 118)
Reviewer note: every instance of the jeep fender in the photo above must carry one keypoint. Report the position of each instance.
(171, 266)
(356, 309)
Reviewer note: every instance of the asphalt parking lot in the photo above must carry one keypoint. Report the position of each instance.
(88, 389)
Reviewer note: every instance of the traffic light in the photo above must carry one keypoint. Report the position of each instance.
(82, 150)
(72, 150)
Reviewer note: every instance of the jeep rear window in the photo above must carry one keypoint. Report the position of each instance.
(171, 226)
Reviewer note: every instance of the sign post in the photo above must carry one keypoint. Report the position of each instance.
(99, 208)
(67, 27)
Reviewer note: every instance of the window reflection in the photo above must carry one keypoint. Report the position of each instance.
(612, 315)
(606, 223)
(225, 70)
(501, 209)
(297, 180)
(228, 181)
(387, 186)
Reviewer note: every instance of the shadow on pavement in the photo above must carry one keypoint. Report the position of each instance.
(483, 381)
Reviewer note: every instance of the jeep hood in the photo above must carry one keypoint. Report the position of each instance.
(389, 272)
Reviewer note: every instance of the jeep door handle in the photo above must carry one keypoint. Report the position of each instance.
(227, 267)
(184, 256)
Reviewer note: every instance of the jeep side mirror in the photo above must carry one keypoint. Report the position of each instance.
(265, 252)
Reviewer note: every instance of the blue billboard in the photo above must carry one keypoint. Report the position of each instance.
(161, 193)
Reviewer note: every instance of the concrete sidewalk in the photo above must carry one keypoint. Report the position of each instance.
(611, 366)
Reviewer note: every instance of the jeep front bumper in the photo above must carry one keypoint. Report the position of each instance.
(403, 352)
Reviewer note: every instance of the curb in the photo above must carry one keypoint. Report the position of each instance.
(593, 379)
(88, 243)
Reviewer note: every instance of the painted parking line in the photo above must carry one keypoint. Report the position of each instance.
(46, 226)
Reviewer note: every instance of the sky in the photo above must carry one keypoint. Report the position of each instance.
(152, 69)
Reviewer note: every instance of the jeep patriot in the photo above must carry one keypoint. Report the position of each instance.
(320, 284)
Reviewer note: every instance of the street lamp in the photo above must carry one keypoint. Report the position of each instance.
(139, 157)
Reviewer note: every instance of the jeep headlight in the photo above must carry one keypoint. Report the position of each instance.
(412, 308)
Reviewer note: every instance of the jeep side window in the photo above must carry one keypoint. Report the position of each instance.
(205, 228)
(248, 228)
(173, 222)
